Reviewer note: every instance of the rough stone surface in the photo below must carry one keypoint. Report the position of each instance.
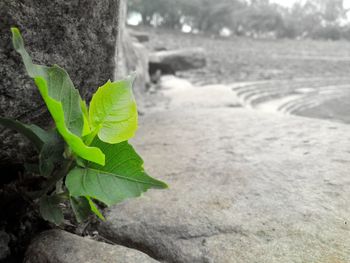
(78, 35)
(244, 187)
(4, 248)
(182, 59)
(57, 246)
(131, 56)
(136, 60)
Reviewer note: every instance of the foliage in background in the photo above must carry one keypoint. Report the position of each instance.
(86, 157)
(259, 18)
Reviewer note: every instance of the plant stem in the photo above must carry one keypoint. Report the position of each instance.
(59, 175)
(54, 179)
(89, 138)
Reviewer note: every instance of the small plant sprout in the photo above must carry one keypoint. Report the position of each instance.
(86, 157)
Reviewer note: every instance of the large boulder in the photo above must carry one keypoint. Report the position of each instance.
(244, 187)
(58, 246)
(170, 61)
(78, 35)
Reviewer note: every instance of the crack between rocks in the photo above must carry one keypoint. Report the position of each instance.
(133, 245)
(146, 249)
(216, 231)
(213, 234)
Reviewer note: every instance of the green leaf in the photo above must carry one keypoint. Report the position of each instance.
(94, 209)
(59, 86)
(75, 143)
(122, 177)
(48, 143)
(113, 111)
(51, 154)
(86, 127)
(62, 101)
(34, 133)
(81, 208)
(50, 210)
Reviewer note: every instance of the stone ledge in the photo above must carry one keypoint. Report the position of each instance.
(244, 187)
(56, 246)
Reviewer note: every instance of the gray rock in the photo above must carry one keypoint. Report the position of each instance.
(57, 246)
(160, 48)
(177, 60)
(131, 56)
(4, 248)
(77, 35)
(140, 36)
(244, 187)
(136, 60)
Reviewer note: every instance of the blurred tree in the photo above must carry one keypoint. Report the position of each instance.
(330, 10)
(204, 15)
(312, 18)
(169, 11)
(211, 16)
(261, 17)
